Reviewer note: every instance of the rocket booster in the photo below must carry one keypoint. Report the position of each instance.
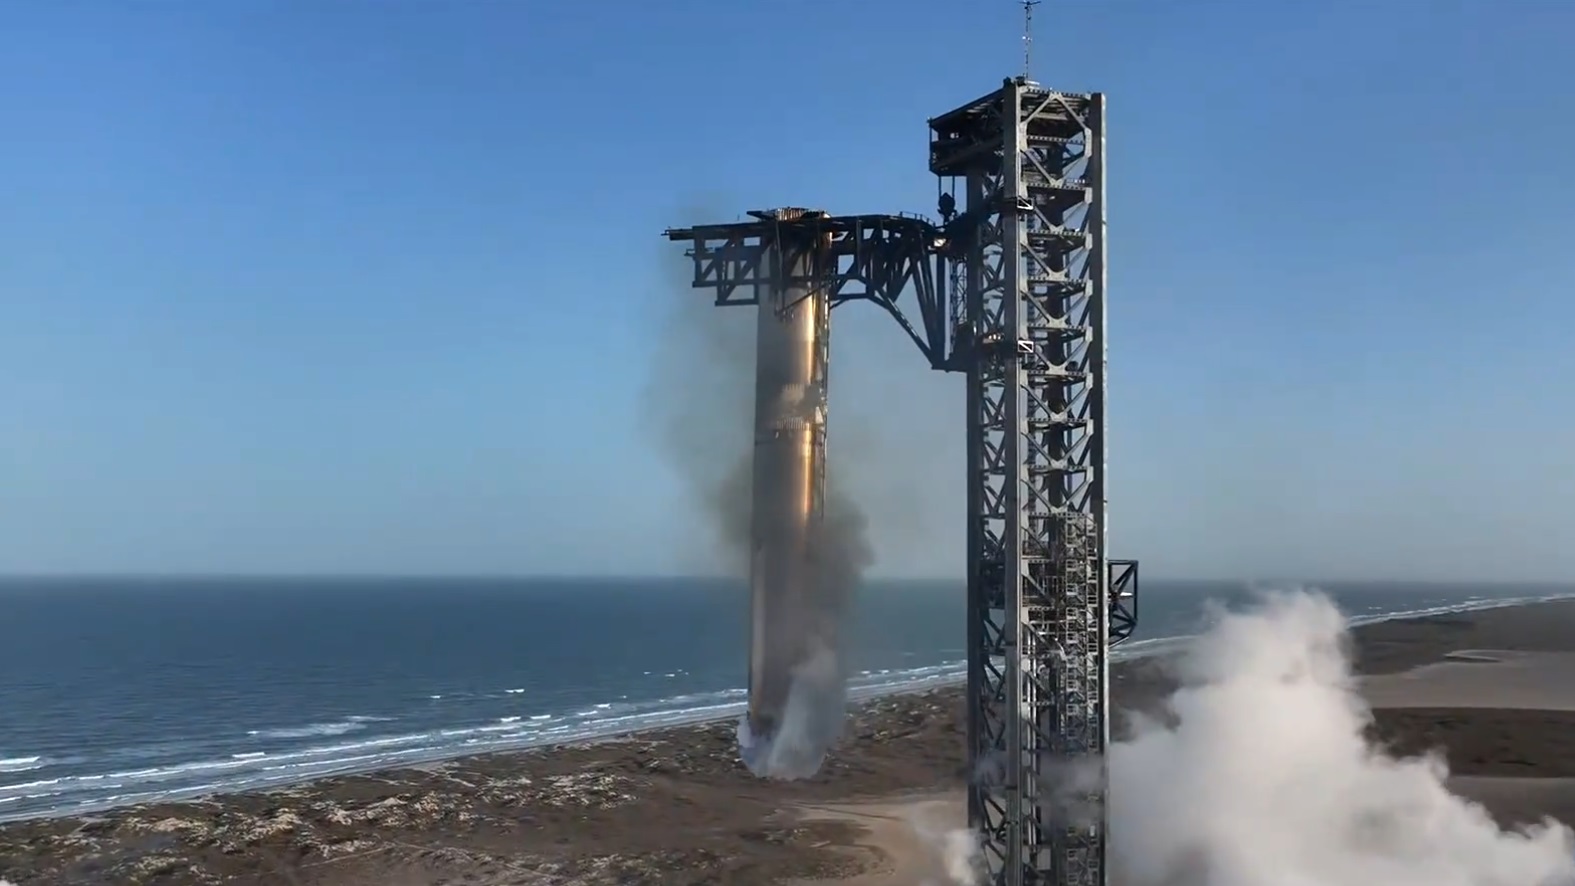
(789, 470)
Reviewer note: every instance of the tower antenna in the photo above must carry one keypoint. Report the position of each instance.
(1028, 33)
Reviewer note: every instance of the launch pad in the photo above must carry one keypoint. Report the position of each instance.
(1007, 286)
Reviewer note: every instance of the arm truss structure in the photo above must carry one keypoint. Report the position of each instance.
(874, 258)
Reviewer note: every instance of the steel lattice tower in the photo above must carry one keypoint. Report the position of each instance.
(1032, 337)
(1009, 289)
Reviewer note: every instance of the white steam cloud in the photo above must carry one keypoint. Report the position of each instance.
(811, 721)
(953, 853)
(1266, 778)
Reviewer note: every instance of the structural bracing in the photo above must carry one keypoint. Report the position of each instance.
(1031, 226)
(1008, 288)
(873, 258)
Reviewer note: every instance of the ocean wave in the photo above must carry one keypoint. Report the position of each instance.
(1476, 604)
(79, 794)
(236, 770)
(319, 730)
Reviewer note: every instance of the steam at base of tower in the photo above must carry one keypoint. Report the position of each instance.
(800, 568)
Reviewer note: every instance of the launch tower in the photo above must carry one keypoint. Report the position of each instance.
(1008, 288)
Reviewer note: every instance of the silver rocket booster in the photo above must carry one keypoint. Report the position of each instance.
(789, 477)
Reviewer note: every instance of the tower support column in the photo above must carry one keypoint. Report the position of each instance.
(1032, 340)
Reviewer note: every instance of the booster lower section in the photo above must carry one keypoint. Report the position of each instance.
(789, 479)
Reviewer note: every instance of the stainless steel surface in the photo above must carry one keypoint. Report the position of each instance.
(789, 477)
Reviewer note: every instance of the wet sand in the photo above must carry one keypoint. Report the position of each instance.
(675, 807)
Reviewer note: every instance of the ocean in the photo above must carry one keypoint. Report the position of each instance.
(120, 691)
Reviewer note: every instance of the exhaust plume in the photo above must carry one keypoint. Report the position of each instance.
(703, 399)
(1264, 776)
(951, 854)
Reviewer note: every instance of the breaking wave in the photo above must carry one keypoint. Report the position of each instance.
(21, 764)
(319, 730)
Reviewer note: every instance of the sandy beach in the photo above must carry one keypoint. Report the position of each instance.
(1493, 690)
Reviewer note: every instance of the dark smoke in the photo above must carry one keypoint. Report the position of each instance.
(700, 400)
(817, 698)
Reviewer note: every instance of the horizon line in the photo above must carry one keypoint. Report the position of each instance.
(1312, 583)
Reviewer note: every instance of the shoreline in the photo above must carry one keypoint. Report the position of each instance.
(1125, 654)
(673, 805)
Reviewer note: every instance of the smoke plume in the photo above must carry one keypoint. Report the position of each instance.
(701, 400)
(950, 855)
(1263, 776)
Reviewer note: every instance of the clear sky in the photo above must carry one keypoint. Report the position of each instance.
(354, 286)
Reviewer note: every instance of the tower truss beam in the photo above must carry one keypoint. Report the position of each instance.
(1030, 162)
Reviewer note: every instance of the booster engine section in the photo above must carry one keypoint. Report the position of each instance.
(789, 628)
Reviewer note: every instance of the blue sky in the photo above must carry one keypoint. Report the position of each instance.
(356, 286)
